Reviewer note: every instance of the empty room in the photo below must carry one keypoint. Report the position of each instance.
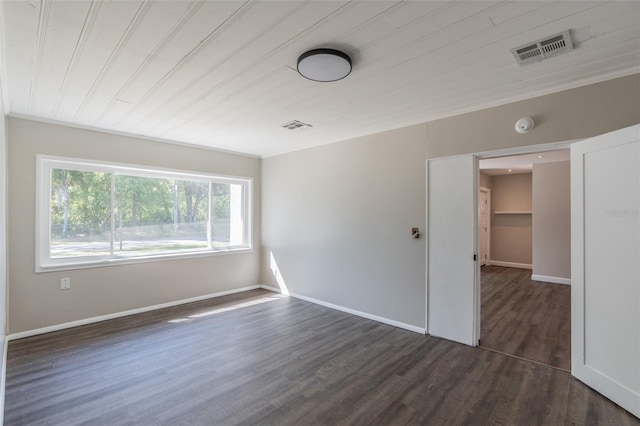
(524, 236)
(270, 212)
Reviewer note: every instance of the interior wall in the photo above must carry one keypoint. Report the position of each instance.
(338, 239)
(511, 234)
(3, 221)
(36, 299)
(485, 180)
(337, 223)
(3, 212)
(552, 220)
(563, 116)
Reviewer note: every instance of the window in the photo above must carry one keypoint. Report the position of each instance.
(93, 213)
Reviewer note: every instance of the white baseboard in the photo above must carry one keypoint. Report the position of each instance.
(554, 280)
(510, 264)
(49, 329)
(268, 287)
(92, 320)
(354, 312)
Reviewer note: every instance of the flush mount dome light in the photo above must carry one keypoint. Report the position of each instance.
(324, 65)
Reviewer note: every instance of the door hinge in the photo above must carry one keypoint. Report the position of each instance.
(475, 257)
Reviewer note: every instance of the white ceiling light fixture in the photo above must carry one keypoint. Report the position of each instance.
(324, 65)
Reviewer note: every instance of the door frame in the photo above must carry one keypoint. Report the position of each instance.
(488, 251)
(505, 152)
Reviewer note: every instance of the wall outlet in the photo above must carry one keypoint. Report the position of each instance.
(65, 283)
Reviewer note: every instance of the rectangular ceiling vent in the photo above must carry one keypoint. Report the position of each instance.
(543, 49)
(296, 125)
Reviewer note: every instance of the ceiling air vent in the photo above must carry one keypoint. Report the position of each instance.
(295, 125)
(543, 49)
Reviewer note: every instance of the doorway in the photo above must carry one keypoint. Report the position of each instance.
(525, 310)
(605, 307)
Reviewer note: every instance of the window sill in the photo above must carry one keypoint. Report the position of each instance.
(53, 267)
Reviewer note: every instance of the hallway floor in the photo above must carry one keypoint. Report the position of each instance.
(525, 318)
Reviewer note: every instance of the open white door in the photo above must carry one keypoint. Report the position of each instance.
(451, 234)
(605, 265)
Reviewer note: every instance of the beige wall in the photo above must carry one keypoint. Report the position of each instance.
(337, 217)
(485, 180)
(572, 114)
(337, 220)
(3, 223)
(511, 238)
(552, 220)
(36, 299)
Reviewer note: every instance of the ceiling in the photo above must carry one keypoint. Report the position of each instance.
(222, 73)
(521, 163)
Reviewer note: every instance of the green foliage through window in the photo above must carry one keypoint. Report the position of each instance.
(116, 214)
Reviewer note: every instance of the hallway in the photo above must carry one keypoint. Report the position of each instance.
(526, 318)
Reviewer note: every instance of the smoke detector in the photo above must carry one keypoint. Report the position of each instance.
(544, 48)
(524, 125)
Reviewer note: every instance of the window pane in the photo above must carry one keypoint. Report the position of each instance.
(227, 215)
(80, 214)
(159, 215)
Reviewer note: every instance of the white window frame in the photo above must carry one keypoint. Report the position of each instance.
(44, 165)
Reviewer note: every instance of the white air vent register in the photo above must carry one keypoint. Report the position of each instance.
(543, 48)
(295, 125)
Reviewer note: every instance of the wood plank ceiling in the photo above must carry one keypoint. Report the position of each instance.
(222, 73)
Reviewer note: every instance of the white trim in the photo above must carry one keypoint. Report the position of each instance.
(269, 288)
(554, 280)
(101, 263)
(46, 163)
(527, 149)
(511, 264)
(35, 332)
(426, 246)
(139, 170)
(354, 312)
(3, 378)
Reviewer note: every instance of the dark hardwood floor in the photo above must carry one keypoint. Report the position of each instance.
(258, 358)
(529, 319)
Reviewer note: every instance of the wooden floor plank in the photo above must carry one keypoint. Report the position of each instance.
(259, 358)
(526, 318)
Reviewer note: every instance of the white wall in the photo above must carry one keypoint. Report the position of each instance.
(552, 221)
(36, 301)
(337, 220)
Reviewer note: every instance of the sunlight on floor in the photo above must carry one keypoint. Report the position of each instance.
(227, 309)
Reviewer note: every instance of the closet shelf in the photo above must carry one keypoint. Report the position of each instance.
(515, 212)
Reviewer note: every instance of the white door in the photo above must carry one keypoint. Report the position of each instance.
(451, 246)
(483, 225)
(605, 265)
